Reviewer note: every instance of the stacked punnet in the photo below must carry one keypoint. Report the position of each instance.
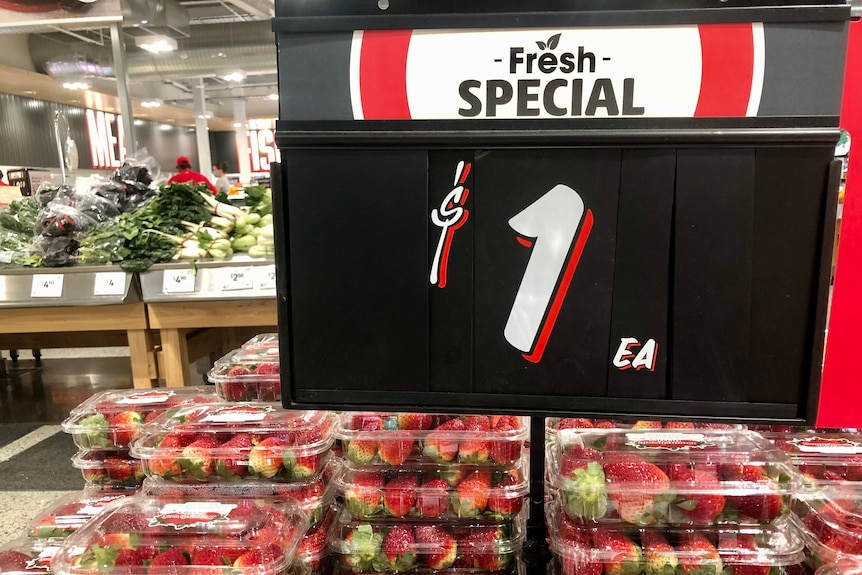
(250, 373)
(430, 492)
(665, 501)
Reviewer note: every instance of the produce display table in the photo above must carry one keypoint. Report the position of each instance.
(185, 305)
(86, 306)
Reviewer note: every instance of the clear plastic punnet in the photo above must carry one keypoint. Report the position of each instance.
(434, 492)
(248, 374)
(314, 495)
(392, 439)
(70, 513)
(112, 419)
(144, 535)
(263, 344)
(822, 457)
(554, 424)
(830, 521)
(670, 477)
(619, 548)
(312, 556)
(27, 556)
(844, 566)
(400, 545)
(109, 469)
(232, 441)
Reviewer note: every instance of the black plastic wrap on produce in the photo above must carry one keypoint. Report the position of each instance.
(55, 251)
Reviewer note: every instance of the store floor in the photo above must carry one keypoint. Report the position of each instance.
(35, 466)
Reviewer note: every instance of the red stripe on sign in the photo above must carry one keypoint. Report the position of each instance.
(383, 74)
(727, 54)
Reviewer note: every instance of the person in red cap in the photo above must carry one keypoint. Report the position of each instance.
(185, 174)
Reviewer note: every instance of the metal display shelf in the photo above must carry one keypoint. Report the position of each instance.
(64, 287)
(239, 278)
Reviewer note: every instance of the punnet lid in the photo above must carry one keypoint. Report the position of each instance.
(71, 512)
(117, 400)
(247, 363)
(263, 342)
(830, 520)
(670, 477)
(27, 556)
(254, 537)
(843, 566)
(554, 424)
(822, 457)
(395, 438)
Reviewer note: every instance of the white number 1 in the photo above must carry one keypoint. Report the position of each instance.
(548, 225)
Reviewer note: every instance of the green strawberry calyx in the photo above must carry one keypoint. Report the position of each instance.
(585, 492)
(362, 547)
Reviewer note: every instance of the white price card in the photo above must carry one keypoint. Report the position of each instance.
(234, 279)
(265, 277)
(178, 281)
(47, 285)
(6, 257)
(110, 283)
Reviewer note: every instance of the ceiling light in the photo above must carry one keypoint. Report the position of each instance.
(205, 116)
(237, 125)
(156, 44)
(234, 77)
(139, 122)
(273, 96)
(153, 103)
(165, 127)
(76, 85)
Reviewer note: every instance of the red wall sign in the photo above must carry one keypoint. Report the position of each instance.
(107, 141)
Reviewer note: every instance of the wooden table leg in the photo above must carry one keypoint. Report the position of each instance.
(142, 358)
(176, 357)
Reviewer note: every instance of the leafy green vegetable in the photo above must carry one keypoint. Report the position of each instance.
(21, 215)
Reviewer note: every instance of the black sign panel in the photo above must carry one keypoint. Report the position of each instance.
(644, 281)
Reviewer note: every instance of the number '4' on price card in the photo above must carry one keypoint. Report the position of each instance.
(178, 281)
(47, 285)
(110, 283)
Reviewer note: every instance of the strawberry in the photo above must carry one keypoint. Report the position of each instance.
(234, 390)
(238, 371)
(394, 447)
(11, 560)
(196, 458)
(252, 559)
(208, 556)
(93, 432)
(124, 427)
(125, 523)
(635, 485)
(701, 493)
(741, 554)
(577, 558)
(575, 423)
(622, 555)
(398, 550)
(659, 556)
(267, 369)
(367, 422)
(475, 447)
(264, 459)
(471, 495)
(441, 444)
(697, 556)
(605, 424)
(362, 448)
(231, 457)
(432, 499)
(504, 447)
(177, 438)
(300, 466)
(154, 414)
(679, 425)
(647, 424)
(95, 475)
(399, 495)
(583, 488)
(452, 475)
(269, 390)
(167, 561)
(361, 547)
(128, 557)
(119, 469)
(481, 548)
(503, 500)
(364, 494)
(437, 547)
(765, 504)
(850, 468)
(413, 421)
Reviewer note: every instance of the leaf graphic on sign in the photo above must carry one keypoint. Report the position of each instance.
(553, 41)
(541, 45)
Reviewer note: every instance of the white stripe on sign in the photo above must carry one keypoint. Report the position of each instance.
(759, 69)
(36, 436)
(355, 86)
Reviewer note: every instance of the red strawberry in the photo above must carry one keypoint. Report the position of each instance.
(647, 424)
(267, 369)
(701, 494)
(264, 459)
(476, 446)
(238, 371)
(850, 468)
(765, 504)
(659, 557)
(399, 495)
(432, 499)
(124, 427)
(231, 457)
(622, 555)
(154, 414)
(362, 447)
(605, 424)
(97, 475)
(697, 555)
(452, 475)
(251, 559)
(575, 423)
(679, 425)
(578, 557)
(441, 444)
(300, 466)
(634, 484)
(126, 557)
(11, 560)
(119, 468)
(208, 556)
(196, 457)
(504, 500)
(741, 554)
(394, 447)
(166, 562)
(269, 390)
(505, 445)
(125, 523)
(398, 551)
(483, 548)
(471, 495)
(234, 390)
(364, 494)
(436, 546)
(413, 421)
(177, 438)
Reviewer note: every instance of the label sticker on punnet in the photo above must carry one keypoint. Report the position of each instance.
(238, 414)
(96, 506)
(146, 397)
(185, 515)
(836, 445)
(42, 562)
(667, 441)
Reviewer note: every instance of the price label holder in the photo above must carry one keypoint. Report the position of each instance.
(178, 281)
(265, 277)
(110, 283)
(5, 257)
(47, 286)
(237, 279)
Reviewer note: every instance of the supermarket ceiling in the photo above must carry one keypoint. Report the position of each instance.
(225, 47)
